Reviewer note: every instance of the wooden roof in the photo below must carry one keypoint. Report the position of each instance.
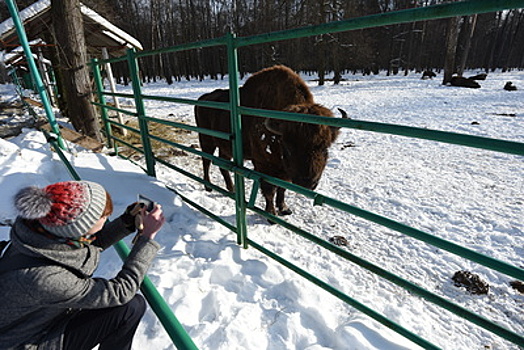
(99, 32)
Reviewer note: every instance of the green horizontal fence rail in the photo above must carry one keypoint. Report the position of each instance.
(241, 173)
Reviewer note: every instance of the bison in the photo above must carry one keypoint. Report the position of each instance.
(464, 82)
(292, 151)
(509, 86)
(481, 76)
(427, 74)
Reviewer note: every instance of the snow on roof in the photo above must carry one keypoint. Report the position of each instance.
(117, 34)
(14, 56)
(38, 8)
(17, 55)
(27, 13)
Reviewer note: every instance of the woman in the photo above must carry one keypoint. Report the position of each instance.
(48, 297)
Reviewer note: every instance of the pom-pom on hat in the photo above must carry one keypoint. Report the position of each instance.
(66, 209)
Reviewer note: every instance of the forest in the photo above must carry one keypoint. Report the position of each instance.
(485, 41)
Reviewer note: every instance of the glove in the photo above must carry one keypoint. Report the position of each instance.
(132, 218)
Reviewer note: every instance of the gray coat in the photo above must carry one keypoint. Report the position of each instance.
(36, 303)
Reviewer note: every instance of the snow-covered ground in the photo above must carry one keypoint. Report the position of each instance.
(230, 298)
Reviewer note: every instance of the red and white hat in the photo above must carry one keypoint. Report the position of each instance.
(66, 209)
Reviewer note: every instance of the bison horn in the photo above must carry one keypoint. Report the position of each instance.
(344, 116)
(273, 126)
(344, 113)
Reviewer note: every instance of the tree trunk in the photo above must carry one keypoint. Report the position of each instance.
(451, 49)
(515, 47)
(69, 32)
(471, 23)
(494, 44)
(321, 62)
(509, 38)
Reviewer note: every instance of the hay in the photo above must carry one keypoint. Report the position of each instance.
(160, 149)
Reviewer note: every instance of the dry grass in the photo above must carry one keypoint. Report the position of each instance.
(160, 149)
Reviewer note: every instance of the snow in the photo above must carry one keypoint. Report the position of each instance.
(227, 297)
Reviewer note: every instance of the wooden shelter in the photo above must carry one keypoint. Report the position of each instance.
(102, 38)
(99, 32)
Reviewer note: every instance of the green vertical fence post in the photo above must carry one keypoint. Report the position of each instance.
(34, 71)
(165, 315)
(141, 112)
(236, 129)
(102, 99)
(16, 81)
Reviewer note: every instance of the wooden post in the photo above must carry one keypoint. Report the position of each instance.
(112, 86)
(45, 77)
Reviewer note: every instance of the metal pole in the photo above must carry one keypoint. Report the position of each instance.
(236, 129)
(34, 71)
(102, 99)
(141, 112)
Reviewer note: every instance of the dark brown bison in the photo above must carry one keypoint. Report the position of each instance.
(292, 151)
(427, 74)
(509, 86)
(464, 82)
(481, 76)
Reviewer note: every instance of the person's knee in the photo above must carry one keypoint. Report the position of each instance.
(137, 307)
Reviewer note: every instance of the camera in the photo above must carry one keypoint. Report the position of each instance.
(148, 203)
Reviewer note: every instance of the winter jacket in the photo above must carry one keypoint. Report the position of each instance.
(37, 302)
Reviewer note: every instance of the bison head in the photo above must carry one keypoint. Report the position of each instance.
(304, 146)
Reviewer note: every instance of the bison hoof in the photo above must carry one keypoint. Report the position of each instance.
(285, 211)
(271, 222)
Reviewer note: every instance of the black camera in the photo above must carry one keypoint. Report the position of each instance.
(148, 203)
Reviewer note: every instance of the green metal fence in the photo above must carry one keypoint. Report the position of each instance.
(178, 335)
(232, 44)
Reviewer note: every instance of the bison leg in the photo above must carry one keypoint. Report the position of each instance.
(268, 191)
(208, 146)
(227, 179)
(225, 173)
(283, 209)
(206, 163)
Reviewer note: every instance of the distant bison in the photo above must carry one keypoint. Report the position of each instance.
(292, 151)
(481, 76)
(427, 74)
(510, 87)
(464, 82)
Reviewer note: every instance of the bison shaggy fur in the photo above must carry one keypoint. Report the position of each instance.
(292, 151)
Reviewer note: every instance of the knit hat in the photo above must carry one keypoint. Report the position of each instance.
(66, 209)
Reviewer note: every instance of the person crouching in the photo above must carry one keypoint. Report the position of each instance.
(50, 299)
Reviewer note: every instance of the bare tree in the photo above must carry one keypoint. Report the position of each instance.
(470, 23)
(451, 49)
(73, 70)
(495, 43)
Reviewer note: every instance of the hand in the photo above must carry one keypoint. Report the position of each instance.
(152, 221)
(131, 219)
